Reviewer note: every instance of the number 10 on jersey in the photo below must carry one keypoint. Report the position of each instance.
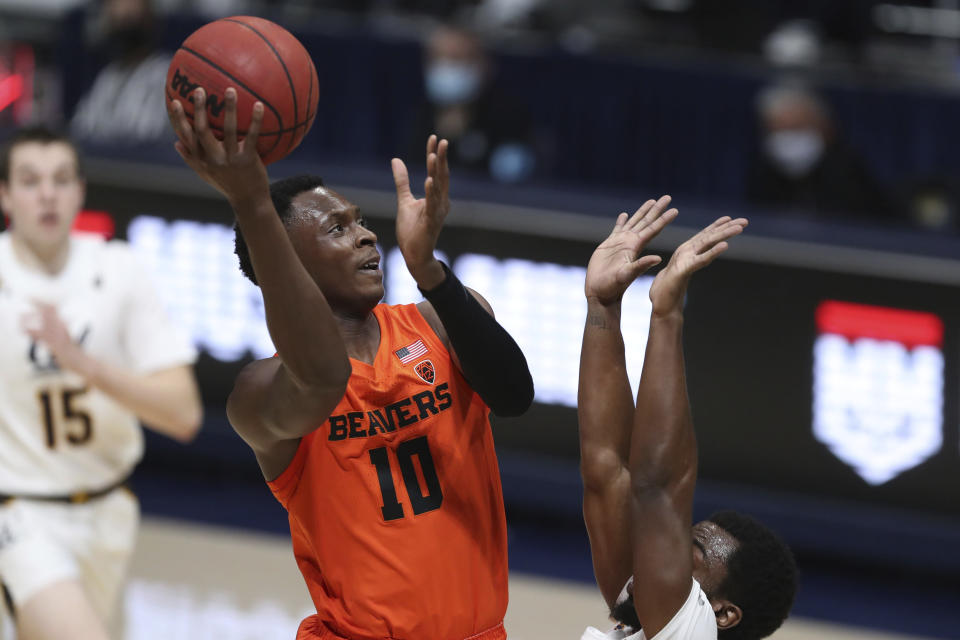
(414, 448)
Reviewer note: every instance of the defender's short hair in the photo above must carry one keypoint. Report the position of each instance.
(761, 577)
(282, 193)
(39, 135)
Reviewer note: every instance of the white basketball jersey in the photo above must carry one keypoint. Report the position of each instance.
(694, 621)
(58, 435)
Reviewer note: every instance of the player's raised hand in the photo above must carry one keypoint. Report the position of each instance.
(419, 220)
(616, 263)
(231, 166)
(670, 285)
(44, 325)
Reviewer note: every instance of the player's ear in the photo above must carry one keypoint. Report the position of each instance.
(728, 614)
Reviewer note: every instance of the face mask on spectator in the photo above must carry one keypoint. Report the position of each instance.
(795, 151)
(450, 82)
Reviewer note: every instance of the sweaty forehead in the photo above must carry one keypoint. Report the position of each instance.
(715, 539)
(320, 202)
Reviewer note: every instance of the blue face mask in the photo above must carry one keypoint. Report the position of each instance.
(451, 82)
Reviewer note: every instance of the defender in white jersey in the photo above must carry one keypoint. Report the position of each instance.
(727, 577)
(87, 352)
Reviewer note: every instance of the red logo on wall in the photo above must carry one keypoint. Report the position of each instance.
(878, 387)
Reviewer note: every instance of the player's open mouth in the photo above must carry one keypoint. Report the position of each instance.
(373, 265)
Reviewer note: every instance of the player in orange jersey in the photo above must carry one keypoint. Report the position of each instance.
(366, 427)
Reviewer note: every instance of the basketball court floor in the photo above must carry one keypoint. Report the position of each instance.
(201, 582)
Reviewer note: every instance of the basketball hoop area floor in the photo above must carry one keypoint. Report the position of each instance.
(198, 582)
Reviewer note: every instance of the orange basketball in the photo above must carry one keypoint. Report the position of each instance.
(262, 61)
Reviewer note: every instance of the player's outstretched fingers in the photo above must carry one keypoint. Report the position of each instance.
(181, 126)
(432, 186)
(639, 214)
(658, 207)
(709, 235)
(230, 122)
(734, 228)
(401, 179)
(711, 254)
(656, 225)
(184, 153)
(253, 132)
(641, 265)
(621, 221)
(431, 144)
(714, 241)
(443, 168)
(430, 195)
(208, 142)
(652, 213)
(723, 231)
(719, 222)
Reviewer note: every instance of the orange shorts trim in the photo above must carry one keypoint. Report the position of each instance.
(312, 629)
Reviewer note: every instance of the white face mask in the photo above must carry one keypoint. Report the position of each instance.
(450, 82)
(795, 151)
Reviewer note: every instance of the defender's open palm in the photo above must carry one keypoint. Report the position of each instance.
(45, 325)
(232, 166)
(670, 285)
(419, 220)
(616, 263)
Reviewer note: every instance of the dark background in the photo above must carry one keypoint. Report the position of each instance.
(749, 338)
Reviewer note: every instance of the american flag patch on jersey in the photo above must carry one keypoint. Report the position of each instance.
(411, 351)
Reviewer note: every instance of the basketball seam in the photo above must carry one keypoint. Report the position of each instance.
(313, 72)
(242, 85)
(293, 90)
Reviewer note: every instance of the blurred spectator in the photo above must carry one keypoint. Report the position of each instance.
(804, 163)
(933, 204)
(125, 103)
(488, 132)
(796, 43)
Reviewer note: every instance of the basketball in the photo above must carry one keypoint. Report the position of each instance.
(262, 61)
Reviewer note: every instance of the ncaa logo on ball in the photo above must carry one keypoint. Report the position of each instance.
(425, 371)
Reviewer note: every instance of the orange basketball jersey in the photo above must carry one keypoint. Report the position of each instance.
(395, 505)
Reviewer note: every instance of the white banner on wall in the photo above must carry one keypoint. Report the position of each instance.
(541, 304)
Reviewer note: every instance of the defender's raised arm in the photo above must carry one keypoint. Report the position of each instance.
(605, 402)
(663, 449)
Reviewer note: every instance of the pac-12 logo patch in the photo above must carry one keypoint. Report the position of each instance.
(425, 370)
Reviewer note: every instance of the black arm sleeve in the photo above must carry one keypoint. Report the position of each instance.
(490, 359)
